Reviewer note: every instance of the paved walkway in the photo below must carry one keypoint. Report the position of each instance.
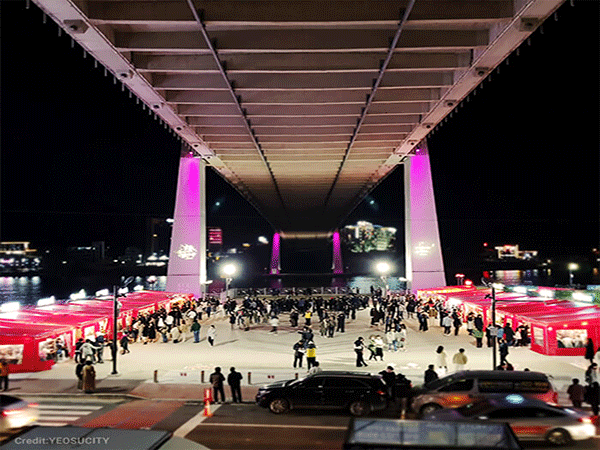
(182, 370)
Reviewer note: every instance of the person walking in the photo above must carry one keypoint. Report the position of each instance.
(298, 353)
(274, 322)
(430, 374)
(100, 343)
(478, 335)
(195, 328)
(211, 335)
(124, 344)
(441, 360)
(359, 348)
(379, 344)
(401, 337)
(234, 380)
(89, 378)
(447, 324)
(216, 380)
(460, 360)
(503, 349)
(389, 378)
(4, 371)
(576, 393)
(311, 354)
(590, 351)
(175, 335)
(79, 374)
(307, 318)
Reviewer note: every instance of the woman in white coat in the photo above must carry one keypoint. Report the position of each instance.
(441, 362)
(211, 335)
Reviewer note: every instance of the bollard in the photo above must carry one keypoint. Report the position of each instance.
(249, 377)
(156, 376)
(202, 376)
(296, 375)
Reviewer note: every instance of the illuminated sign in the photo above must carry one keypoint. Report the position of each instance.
(215, 236)
(423, 248)
(187, 252)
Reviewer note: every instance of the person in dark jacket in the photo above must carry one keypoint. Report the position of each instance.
(216, 380)
(234, 380)
(430, 374)
(79, 374)
(389, 378)
(590, 352)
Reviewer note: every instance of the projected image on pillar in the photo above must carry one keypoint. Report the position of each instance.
(366, 237)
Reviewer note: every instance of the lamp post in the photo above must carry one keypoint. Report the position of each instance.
(228, 270)
(493, 330)
(116, 294)
(383, 269)
(572, 267)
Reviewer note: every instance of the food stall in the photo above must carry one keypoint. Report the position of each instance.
(27, 347)
(564, 332)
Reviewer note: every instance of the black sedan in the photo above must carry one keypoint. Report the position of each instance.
(357, 392)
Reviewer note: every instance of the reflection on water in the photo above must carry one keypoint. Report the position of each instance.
(28, 290)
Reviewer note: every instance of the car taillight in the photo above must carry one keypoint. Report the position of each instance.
(555, 397)
(382, 393)
(10, 412)
(585, 420)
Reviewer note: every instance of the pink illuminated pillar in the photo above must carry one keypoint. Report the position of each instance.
(187, 259)
(424, 264)
(337, 253)
(275, 261)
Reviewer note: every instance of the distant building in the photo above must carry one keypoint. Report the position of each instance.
(18, 257)
(513, 252)
(365, 237)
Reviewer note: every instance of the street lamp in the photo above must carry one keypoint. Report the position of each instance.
(116, 308)
(493, 330)
(572, 267)
(229, 270)
(383, 269)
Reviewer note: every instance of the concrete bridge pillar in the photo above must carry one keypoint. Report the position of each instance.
(275, 266)
(424, 264)
(187, 259)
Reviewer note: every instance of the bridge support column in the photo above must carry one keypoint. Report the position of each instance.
(424, 264)
(338, 267)
(187, 258)
(275, 266)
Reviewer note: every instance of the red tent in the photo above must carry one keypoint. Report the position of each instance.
(24, 345)
(564, 331)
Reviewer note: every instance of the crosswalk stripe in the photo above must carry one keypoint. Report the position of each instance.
(52, 424)
(58, 415)
(79, 407)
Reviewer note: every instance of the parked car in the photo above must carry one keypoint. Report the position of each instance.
(357, 392)
(461, 388)
(530, 419)
(16, 413)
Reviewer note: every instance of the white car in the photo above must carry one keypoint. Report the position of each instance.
(16, 413)
(529, 419)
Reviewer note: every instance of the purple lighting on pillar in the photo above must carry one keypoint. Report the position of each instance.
(275, 265)
(337, 254)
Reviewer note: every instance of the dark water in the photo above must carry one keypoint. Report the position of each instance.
(28, 290)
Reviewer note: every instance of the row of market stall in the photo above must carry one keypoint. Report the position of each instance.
(29, 336)
(556, 326)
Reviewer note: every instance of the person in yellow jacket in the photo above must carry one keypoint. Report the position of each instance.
(307, 317)
(311, 354)
(460, 360)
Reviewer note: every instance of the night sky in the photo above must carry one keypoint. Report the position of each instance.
(516, 164)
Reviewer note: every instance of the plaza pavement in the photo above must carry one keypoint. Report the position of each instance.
(182, 369)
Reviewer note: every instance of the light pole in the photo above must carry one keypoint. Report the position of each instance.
(228, 270)
(493, 330)
(116, 294)
(572, 267)
(383, 269)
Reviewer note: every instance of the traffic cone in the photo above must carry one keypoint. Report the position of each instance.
(207, 412)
